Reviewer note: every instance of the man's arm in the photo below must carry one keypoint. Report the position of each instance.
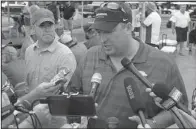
(173, 20)
(68, 62)
(76, 80)
(148, 21)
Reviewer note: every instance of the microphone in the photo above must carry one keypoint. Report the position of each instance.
(95, 82)
(134, 98)
(171, 97)
(112, 122)
(129, 66)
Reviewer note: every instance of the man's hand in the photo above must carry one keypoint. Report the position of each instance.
(193, 112)
(47, 89)
(157, 99)
(43, 113)
(138, 121)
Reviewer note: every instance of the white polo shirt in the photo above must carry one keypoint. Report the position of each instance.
(153, 23)
(180, 19)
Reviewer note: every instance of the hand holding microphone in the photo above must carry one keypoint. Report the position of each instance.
(138, 121)
(186, 117)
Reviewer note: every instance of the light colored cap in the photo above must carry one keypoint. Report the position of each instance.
(65, 38)
(151, 6)
(42, 15)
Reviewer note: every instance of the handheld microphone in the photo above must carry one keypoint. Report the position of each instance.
(95, 82)
(171, 97)
(129, 66)
(134, 97)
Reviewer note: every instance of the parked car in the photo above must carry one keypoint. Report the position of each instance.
(90, 9)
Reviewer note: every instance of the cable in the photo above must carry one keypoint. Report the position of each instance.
(24, 110)
(177, 118)
(16, 122)
(35, 116)
(33, 103)
(34, 126)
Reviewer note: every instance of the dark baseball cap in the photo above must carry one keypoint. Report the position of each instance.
(108, 18)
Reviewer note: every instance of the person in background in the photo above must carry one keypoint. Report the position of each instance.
(91, 36)
(192, 34)
(68, 14)
(54, 8)
(152, 24)
(180, 23)
(30, 36)
(115, 29)
(12, 66)
(78, 49)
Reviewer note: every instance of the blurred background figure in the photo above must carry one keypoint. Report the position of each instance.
(91, 36)
(78, 49)
(54, 8)
(12, 67)
(30, 36)
(68, 14)
(180, 25)
(192, 34)
(152, 24)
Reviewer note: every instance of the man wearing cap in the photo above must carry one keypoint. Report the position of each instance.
(115, 30)
(91, 36)
(152, 24)
(78, 49)
(45, 58)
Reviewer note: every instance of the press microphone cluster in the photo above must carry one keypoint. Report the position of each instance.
(170, 97)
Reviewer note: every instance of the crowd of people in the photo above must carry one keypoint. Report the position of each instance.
(47, 50)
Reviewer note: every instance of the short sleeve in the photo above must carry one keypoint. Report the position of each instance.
(68, 61)
(148, 21)
(173, 18)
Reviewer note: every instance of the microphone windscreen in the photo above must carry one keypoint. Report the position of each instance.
(134, 95)
(161, 90)
(96, 78)
(125, 62)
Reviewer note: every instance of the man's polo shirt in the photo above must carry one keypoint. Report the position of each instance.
(112, 98)
(43, 65)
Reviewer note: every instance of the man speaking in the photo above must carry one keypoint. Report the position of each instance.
(115, 29)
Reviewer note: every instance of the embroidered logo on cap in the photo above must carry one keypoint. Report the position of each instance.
(101, 15)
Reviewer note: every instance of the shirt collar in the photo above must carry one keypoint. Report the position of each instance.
(140, 57)
(51, 48)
